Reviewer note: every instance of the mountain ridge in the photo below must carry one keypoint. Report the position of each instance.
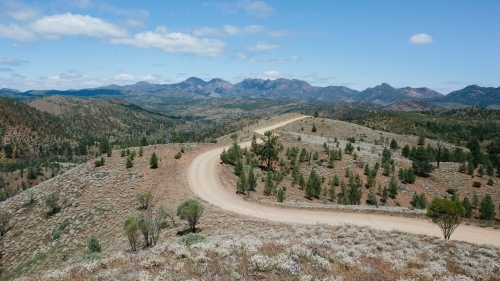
(280, 88)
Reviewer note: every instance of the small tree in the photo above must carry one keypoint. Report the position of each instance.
(132, 230)
(487, 208)
(52, 203)
(4, 222)
(129, 164)
(394, 144)
(145, 199)
(420, 163)
(313, 185)
(141, 151)
(468, 207)
(252, 180)
(153, 161)
(191, 210)
(150, 227)
(281, 194)
(93, 245)
(372, 197)
(270, 149)
(314, 129)
(269, 185)
(241, 185)
(447, 214)
(393, 187)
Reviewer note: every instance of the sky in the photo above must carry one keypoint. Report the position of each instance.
(72, 44)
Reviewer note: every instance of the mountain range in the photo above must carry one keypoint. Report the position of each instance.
(196, 88)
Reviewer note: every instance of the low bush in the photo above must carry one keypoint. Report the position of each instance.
(193, 238)
(476, 184)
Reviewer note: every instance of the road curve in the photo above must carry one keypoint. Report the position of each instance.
(204, 181)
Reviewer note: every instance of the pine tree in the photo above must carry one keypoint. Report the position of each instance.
(241, 185)
(393, 187)
(238, 168)
(153, 161)
(355, 192)
(487, 208)
(331, 191)
(129, 164)
(302, 181)
(372, 198)
(335, 180)
(252, 180)
(385, 194)
(313, 185)
(468, 207)
(269, 186)
(331, 161)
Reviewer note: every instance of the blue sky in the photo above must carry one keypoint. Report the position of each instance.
(71, 44)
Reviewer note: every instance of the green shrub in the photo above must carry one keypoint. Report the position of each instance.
(56, 234)
(89, 257)
(93, 246)
(490, 182)
(476, 184)
(178, 155)
(193, 238)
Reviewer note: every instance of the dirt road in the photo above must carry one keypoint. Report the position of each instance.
(204, 181)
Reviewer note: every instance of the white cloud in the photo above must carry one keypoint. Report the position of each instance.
(263, 46)
(6, 69)
(232, 30)
(420, 39)
(16, 32)
(174, 42)
(229, 30)
(56, 26)
(125, 77)
(288, 60)
(134, 23)
(21, 11)
(272, 74)
(256, 8)
(204, 31)
(12, 62)
(71, 79)
(254, 28)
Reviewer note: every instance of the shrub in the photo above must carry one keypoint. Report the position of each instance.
(93, 246)
(145, 199)
(193, 238)
(52, 203)
(314, 129)
(132, 231)
(191, 210)
(129, 164)
(178, 155)
(100, 162)
(450, 191)
(490, 182)
(122, 153)
(476, 184)
(56, 234)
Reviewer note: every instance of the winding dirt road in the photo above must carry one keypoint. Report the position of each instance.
(204, 181)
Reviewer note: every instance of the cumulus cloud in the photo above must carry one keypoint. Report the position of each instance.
(55, 26)
(71, 79)
(263, 46)
(174, 42)
(20, 11)
(16, 32)
(12, 62)
(420, 39)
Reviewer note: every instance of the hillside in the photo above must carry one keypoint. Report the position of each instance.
(474, 95)
(96, 201)
(412, 105)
